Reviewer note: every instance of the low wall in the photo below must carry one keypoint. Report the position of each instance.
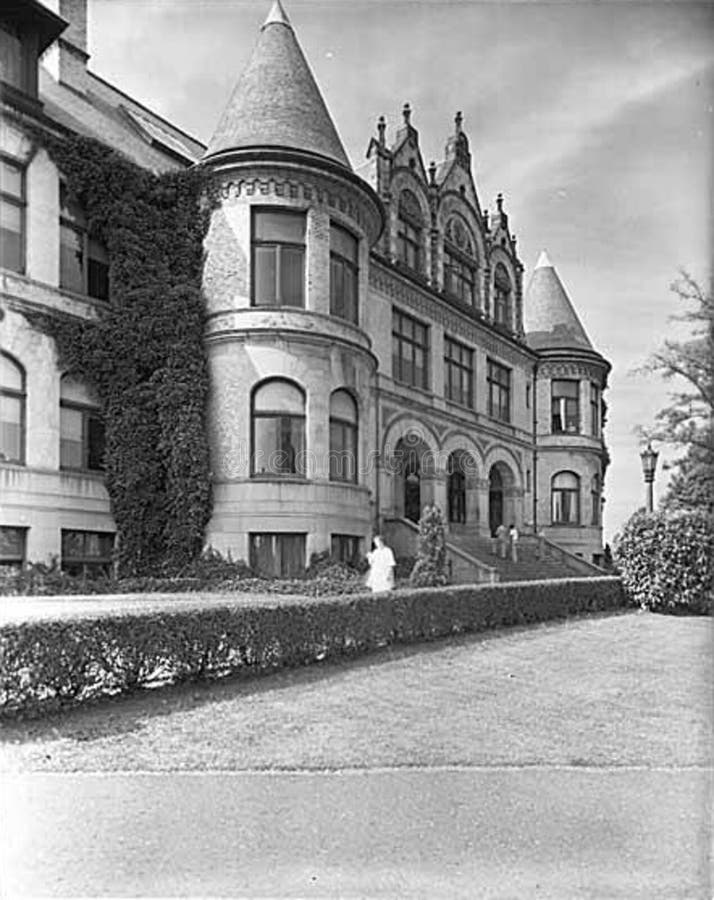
(54, 662)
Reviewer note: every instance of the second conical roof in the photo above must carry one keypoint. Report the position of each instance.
(276, 102)
(551, 320)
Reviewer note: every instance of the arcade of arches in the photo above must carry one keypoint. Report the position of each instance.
(417, 477)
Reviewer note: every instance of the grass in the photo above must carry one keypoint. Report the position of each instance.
(630, 689)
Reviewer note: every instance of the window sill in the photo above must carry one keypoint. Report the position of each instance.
(96, 473)
(280, 479)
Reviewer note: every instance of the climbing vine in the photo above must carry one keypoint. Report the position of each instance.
(144, 354)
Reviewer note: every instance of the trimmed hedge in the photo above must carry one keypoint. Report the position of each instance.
(667, 560)
(55, 663)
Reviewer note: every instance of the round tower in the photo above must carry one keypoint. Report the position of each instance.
(570, 453)
(292, 373)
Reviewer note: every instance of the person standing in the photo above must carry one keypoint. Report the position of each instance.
(513, 540)
(381, 567)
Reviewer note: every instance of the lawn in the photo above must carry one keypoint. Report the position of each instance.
(629, 689)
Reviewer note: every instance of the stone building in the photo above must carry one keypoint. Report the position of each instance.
(370, 344)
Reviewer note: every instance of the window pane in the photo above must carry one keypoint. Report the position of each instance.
(279, 445)
(291, 548)
(337, 289)
(11, 176)
(342, 242)
(566, 480)
(280, 226)
(11, 68)
(279, 396)
(95, 438)
(291, 276)
(342, 406)
(11, 236)
(12, 544)
(262, 554)
(98, 271)
(11, 428)
(71, 439)
(71, 259)
(264, 276)
(11, 376)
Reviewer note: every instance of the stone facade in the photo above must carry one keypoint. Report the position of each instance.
(453, 403)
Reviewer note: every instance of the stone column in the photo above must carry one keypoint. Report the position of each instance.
(482, 488)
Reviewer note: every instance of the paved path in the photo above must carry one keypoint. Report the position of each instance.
(521, 834)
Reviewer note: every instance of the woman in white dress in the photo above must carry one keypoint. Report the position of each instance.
(381, 567)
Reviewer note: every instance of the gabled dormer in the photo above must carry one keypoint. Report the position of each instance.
(506, 273)
(27, 28)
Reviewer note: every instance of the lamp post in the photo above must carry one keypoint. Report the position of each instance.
(649, 464)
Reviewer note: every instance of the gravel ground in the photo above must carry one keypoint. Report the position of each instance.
(630, 689)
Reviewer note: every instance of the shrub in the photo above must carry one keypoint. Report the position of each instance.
(430, 567)
(60, 662)
(667, 560)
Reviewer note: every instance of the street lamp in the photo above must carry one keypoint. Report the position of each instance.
(649, 464)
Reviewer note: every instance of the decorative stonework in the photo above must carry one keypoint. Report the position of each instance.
(315, 188)
(569, 369)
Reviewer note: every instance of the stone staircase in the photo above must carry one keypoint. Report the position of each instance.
(536, 559)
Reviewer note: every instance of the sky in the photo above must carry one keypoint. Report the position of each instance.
(594, 119)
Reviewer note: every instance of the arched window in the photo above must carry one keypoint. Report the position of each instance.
(12, 410)
(409, 231)
(565, 497)
(595, 500)
(84, 264)
(501, 296)
(81, 427)
(278, 426)
(343, 437)
(459, 262)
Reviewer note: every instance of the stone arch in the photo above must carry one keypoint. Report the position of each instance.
(505, 489)
(410, 454)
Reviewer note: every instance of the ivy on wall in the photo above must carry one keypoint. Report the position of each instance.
(144, 355)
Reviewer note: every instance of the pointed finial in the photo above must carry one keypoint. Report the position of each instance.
(458, 119)
(499, 202)
(432, 173)
(381, 128)
(485, 219)
(543, 261)
(277, 16)
(407, 113)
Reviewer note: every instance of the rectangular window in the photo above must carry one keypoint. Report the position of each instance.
(565, 406)
(84, 263)
(528, 395)
(458, 373)
(410, 350)
(279, 443)
(278, 258)
(594, 410)
(81, 438)
(13, 542)
(343, 451)
(459, 278)
(87, 552)
(566, 507)
(408, 245)
(12, 215)
(11, 427)
(277, 555)
(345, 547)
(11, 56)
(344, 273)
(499, 391)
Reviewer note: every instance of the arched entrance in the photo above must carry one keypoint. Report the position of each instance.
(456, 488)
(416, 467)
(412, 486)
(495, 499)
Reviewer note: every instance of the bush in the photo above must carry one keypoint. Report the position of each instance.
(430, 567)
(667, 561)
(70, 660)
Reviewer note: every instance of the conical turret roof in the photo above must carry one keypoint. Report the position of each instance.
(276, 102)
(551, 320)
